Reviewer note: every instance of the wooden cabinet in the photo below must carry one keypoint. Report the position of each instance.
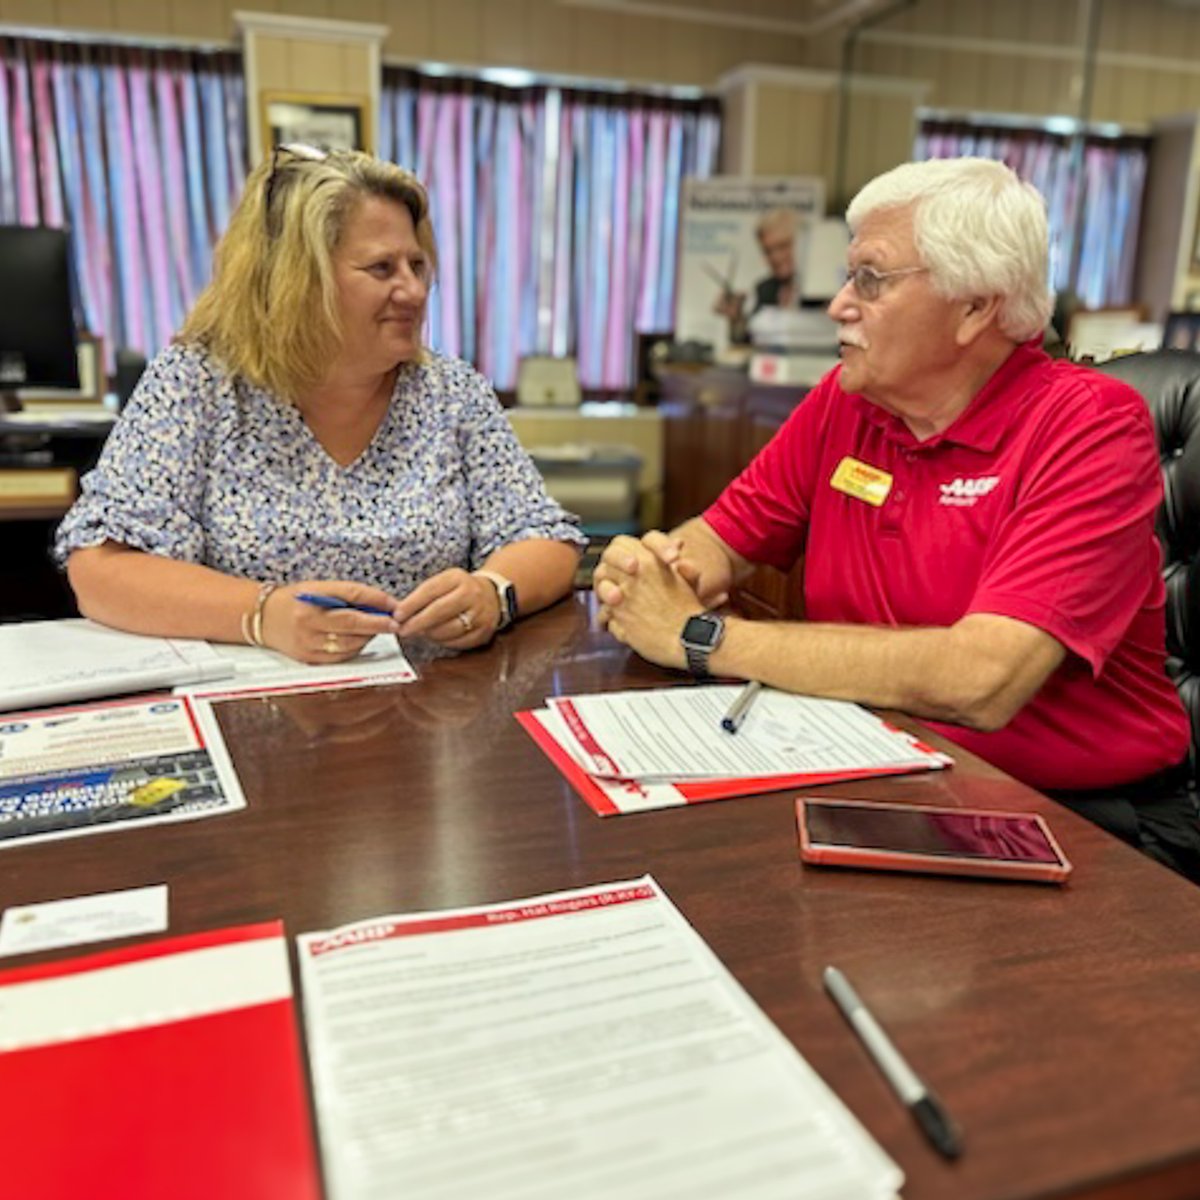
(715, 420)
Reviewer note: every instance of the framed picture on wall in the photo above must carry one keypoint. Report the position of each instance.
(328, 122)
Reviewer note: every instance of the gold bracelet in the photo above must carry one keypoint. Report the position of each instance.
(246, 629)
(256, 617)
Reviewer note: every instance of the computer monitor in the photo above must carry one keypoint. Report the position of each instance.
(37, 319)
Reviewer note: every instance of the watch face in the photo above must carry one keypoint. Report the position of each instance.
(703, 632)
(508, 602)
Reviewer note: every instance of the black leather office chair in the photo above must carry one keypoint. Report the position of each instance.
(1169, 382)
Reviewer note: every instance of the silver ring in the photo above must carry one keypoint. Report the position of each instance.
(330, 645)
(466, 621)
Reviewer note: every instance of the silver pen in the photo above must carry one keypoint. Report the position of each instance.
(731, 722)
(933, 1119)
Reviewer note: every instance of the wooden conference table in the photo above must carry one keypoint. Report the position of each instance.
(1060, 1026)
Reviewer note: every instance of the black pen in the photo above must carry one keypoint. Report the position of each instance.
(935, 1122)
(731, 722)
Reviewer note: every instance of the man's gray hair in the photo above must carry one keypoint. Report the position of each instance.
(979, 230)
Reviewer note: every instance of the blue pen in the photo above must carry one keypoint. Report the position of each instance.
(317, 600)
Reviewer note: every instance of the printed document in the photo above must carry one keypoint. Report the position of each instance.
(584, 1044)
(256, 669)
(675, 734)
(56, 662)
(112, 765)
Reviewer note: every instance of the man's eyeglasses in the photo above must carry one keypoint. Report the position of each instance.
(868, 282)
(294, 150)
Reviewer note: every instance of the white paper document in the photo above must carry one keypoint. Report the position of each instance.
(115, 764)
(83, 919)
(257, 669)
(56, 662)
(585, 1044)
(665, 734)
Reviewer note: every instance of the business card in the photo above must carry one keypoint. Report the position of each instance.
(82, 919)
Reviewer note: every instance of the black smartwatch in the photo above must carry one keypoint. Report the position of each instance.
(701, 635)
(506, 595)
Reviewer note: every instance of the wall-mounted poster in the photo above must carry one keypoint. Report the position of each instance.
(744, 245)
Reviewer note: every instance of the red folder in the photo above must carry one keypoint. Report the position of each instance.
(203, 1097)
(695, 791)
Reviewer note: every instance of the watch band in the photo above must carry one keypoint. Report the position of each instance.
(506, 596)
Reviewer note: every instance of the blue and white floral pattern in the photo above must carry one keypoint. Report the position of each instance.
(205, 468)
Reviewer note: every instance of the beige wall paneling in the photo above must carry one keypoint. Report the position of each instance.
(29, 12)
(642, 48)
(212, 21)
(410, 29)
(736, 147)
(504, 25)
(272, 61)
(785, 122)
(882, 131)
(143, 16)
(357, 63)
(595, 43)
(366, 12)
(456, 29)
(1186, 293)
(687, 55)
(320, 9)
(73, 14)
(1163, 211)
(548, 35)
(794, 131)
(312, 55)
(318, 67)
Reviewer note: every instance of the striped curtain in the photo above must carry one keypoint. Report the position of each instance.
(556, 214)
(141, 153)
(1112, 177)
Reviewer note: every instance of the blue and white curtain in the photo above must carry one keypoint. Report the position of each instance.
(1112, 176)
(141, 153)
(556, 213)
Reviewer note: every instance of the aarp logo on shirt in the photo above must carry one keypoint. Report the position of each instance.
(966, 492)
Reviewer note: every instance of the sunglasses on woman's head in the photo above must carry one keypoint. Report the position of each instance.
(295, 150)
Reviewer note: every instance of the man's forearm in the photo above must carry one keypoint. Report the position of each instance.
(963, 674)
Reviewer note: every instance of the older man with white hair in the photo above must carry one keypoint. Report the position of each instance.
(976, 521)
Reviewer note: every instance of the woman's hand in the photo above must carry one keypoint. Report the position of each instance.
(452, 608)
(325, 635)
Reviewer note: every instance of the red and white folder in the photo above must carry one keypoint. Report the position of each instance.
(609, 797)
(168, 1069)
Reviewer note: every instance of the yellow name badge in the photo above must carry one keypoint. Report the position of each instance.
(862, 481)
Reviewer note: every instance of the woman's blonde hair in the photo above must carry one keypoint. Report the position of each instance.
(270, 313)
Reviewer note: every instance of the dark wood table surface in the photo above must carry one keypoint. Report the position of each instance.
(1061, 1026)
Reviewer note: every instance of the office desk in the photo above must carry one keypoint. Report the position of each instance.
(64, 442)
(1061, 1026)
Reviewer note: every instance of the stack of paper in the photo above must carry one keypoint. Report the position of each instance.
(55, 662)
(638, 750)
(256, 669)
(584, 1044)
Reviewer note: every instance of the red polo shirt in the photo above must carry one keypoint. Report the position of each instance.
(1038, 503)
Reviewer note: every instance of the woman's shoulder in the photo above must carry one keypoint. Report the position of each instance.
(187, 369)
(452, 377)
(183, 387)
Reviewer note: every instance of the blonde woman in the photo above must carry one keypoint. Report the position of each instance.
(297, 439)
